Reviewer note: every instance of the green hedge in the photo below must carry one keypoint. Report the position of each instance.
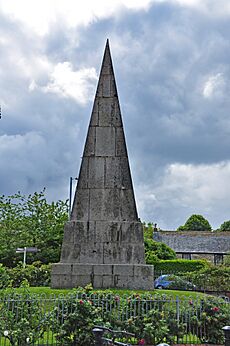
(180, 266)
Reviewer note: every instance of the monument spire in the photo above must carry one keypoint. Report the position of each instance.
(103, 241)
(104, 190)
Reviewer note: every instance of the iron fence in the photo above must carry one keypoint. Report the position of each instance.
(184, 312)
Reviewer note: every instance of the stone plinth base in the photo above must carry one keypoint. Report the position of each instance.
(129, 276)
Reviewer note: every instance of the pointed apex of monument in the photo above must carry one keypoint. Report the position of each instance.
(106, 84)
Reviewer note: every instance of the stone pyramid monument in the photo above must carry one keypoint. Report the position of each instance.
(103, 241)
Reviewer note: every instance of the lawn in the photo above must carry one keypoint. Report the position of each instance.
(47, 291)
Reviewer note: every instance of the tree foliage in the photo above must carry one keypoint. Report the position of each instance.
(225, 226)
(155, 251)
(196, 223)
(30, 221)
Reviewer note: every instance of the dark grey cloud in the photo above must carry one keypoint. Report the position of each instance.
(172, 70)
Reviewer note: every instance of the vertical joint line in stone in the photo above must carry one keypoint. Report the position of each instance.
(115, 141)
(105, 182)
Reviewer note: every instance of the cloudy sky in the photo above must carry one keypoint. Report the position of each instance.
(172, 66)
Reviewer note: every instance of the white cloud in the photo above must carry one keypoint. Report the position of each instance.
(214, 86)
(40, 15)
(187, 189)
(79, 85)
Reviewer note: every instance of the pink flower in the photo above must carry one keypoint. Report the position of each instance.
(81, 302)
(117, 298)
(190, 302)
(141, 342)
(215, 308)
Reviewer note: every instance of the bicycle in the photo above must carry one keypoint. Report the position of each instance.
(100, 340)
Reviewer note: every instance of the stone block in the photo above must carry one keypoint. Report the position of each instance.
(82, 269)
(113, 87)
(61, 268)
(103, 269)
(94, 116)
(81, 280)
(126, 181)
(112, 204)
(107, 281)
(96, 204)
(128, 205)
(121, 149)
(123, 269)
(91, 253)
(83, 174)
(104, 204)
(143, 271)
(105, 141)
(106, 86)
(102, 232)
(66, 252)
(68, 233)
(97, 281)
(113, 176)
(80, 209)
(96, 172)
(89, 149)
(106, 111)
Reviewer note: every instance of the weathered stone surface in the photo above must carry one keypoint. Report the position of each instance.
(104, 276)
(103, 241)
(105, 141)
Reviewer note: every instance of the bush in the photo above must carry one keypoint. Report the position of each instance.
(37, 274)
(155, 251)
(4, 277)
(213, 316)
(21, 322)
(195, 223)
(225, 226)
(215, 278)
(180, 266)
(75, 327)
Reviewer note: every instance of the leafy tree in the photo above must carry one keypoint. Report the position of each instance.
(195, 223)
(32, 222)
(225, 226)
(155, 251)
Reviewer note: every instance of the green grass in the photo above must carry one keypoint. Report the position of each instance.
(51, 291)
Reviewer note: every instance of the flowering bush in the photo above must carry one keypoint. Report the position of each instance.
(213, 316)
(21, 322)
(74, 327)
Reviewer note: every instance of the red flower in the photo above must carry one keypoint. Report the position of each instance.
(215, 308)
(81, 302)
(141, 342)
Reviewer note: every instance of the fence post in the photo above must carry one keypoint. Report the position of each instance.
(226, 330)
(98, 333)
(177, 314)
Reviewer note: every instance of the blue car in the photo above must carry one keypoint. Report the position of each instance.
(162, 281)
(173, 282)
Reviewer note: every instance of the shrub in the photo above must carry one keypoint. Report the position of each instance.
(37, 274)
(4, 277)
(155, 251)
(75, 326)
(21, 321)
(213, 316)
(225, 226)
(214, 278)
(196, 223)
(180, 266)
